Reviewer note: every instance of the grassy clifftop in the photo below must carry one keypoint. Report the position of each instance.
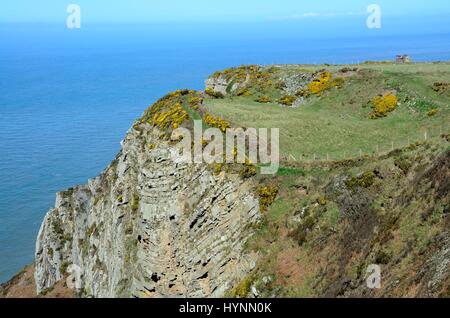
(334, 117)
(378, 191)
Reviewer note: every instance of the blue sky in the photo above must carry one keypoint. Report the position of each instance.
(156, 11)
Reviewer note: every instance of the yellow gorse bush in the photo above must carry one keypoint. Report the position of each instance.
(287, 100)
(432, 112)
(168, 111)
(382, 105)
(240, 72)
(173, 117)
(267, 195)
(195, 101)
(243, 92)
(216, 122)
(320, 84)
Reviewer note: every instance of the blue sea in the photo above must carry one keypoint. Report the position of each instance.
(67, 97)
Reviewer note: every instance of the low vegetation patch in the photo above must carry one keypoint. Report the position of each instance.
(243, 288)
(432, 112)
(209, 91)
(248, 170)
(243, 92)
(264, 100)
(216, 122)
(363, 181)
(135, 203)
(194, 102)
(404, 164)
(240, 72)
(267, 195)
(300, 234)
(284, 171)
(168, 111)
(287, 100)
(424, 106)
(63, 267)
(441, 87)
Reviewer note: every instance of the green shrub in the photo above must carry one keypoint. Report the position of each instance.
(382, 257)
(267, 195)
(243, 92)
(303, 92)
(287, 100)
(280, 85)
(209, 91)
(57, 226)
(364, 181)
(322, 200)
(63, 267)
(263, 100)
(301, 232)
(135, 203)
(217, 168)
(432, 112)
(195, 101)
(242, 290)
(425, 106)
(337, 82)
(403, 164)
(248, 170)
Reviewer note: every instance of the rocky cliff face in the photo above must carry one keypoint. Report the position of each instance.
(149, 227)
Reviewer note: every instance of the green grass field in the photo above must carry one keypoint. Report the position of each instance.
(336, 125)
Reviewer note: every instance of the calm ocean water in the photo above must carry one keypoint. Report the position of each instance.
(68, 97)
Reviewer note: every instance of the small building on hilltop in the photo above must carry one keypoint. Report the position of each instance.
(403, 59)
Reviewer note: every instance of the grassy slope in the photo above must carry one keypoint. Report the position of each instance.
(338, 124)
(310, 243)
(312, 246)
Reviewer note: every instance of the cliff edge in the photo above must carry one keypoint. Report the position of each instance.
(148, 226)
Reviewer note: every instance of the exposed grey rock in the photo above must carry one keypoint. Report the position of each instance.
(298, 102)
(436, 269)
(149, 227)
(221, 84)
(292, 84)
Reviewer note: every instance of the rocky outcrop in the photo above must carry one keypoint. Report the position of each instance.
(226, 85)
(150, 227)
(295, 82)
(258, 81)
